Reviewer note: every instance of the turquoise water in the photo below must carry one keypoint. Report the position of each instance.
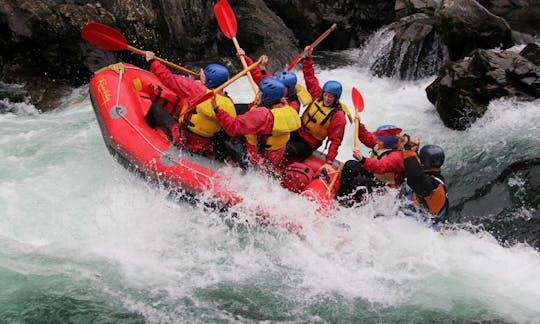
(85, 241)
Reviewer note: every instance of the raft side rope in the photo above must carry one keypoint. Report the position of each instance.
(175, 159)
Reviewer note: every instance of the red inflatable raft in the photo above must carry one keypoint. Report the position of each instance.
(120, 97)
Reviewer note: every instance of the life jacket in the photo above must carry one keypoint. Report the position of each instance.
(202, 120)
(436, 203)
(303, 96)
(378, 153)
(286, 120)
(316, 116)
(164, 97)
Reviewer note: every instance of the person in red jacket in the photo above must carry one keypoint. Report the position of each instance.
(323, 118)
(384, 167)
(266, 128)
(196, 129)
(259, 72)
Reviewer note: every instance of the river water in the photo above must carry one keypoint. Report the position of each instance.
(85, 241)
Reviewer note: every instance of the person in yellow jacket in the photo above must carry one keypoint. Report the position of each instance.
(267, 127)
(196, 129)
(323, 118)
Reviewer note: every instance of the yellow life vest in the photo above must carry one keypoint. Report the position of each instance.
(286, 120)
(303, 95)
(202, 120)
(378, 153)
(316, 116)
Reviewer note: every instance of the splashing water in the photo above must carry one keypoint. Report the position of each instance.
(84, 240)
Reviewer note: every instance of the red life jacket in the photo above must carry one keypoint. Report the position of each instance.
(168, 99)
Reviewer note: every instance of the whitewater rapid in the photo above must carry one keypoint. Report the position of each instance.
(77, 228)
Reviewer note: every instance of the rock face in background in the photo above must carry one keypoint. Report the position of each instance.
(522, 15)
(41, 45)
(356, 20)
(464, 89)
(416, 50)
(466, 25)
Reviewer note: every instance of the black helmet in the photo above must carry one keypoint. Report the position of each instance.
(431, 156)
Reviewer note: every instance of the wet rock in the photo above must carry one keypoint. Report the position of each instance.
(521, 15)
(509, 206)
(532, 53)
(355, 20)
(416, 50)
(466, 25)
(408, 7)
(463, 89)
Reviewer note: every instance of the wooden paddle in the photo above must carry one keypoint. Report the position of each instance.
(334, 179)
(212, 93)
(112, 39)
(227, 23)
(358, 103)
(310, 47)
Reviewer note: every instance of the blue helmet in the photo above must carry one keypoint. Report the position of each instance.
(216, 75)
(272, 91)
(334, 88)
(431, 156)
(388, 134)
(288, 79)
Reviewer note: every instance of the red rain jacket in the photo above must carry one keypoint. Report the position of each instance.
(392, 162)
(336, 126)
(188, 89)
(257, 121)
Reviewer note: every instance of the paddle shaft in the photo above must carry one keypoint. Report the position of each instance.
(239, 75)
(167, 63)
(356, 125)
(334, 179)
(315, 43)
(212, 93)
(254, 85)
(112, 39)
